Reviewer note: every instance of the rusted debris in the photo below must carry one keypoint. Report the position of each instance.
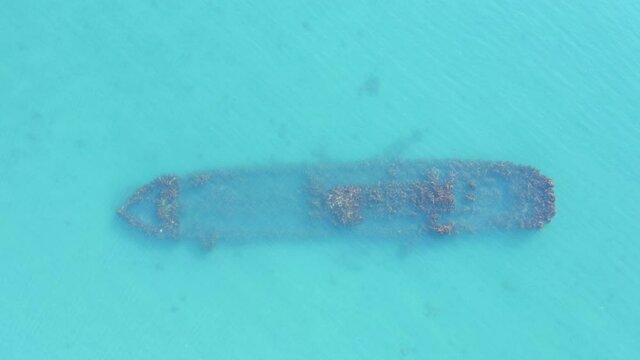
(375, 195)
(344, 203)
(446, 229)
(433, 196)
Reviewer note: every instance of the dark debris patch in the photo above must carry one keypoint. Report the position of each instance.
(344, 203)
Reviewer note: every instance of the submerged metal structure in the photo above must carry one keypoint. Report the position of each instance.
(371, 199)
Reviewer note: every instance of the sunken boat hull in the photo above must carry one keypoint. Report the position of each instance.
(370, 199)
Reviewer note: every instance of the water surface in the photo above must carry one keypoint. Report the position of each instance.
(99, 98)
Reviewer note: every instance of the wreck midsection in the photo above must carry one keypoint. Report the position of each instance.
(223, 204)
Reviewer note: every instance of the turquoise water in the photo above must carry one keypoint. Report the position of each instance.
(98, 98)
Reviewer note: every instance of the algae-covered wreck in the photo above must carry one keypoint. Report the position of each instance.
(371, 199)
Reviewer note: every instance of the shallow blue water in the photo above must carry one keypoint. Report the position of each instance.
(97, 98)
